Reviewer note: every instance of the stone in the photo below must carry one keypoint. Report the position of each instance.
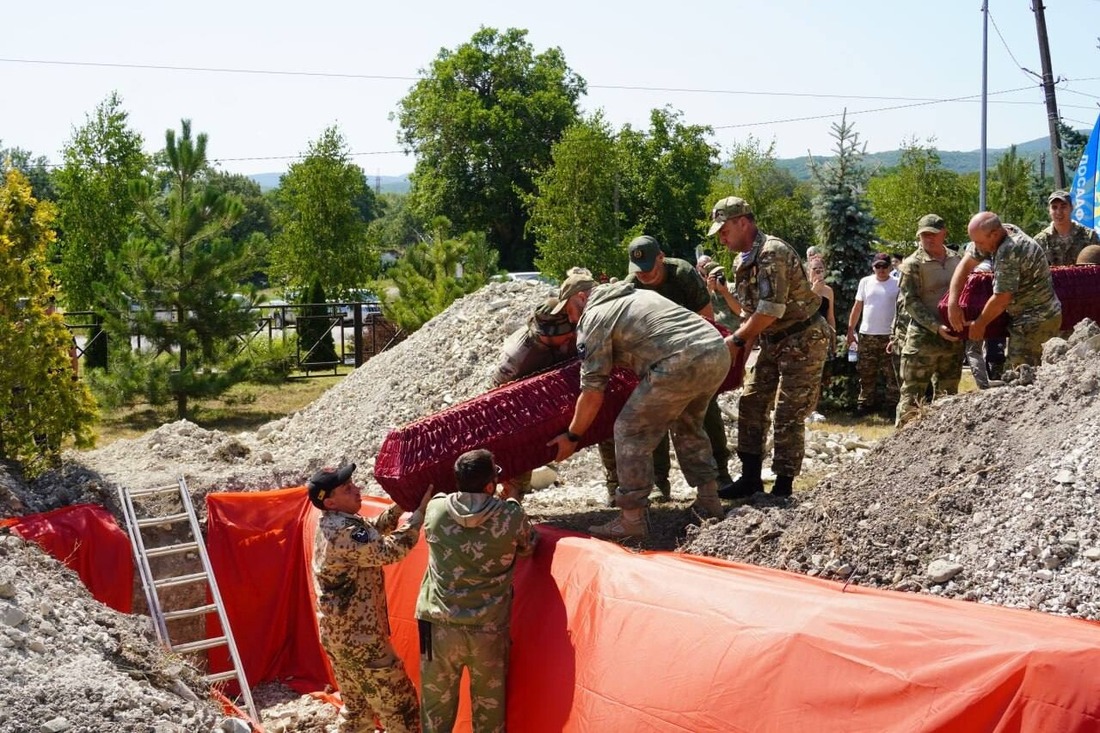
(1093, 553)
(11, 616)
(57, 725)
(941, 571)
(1065, 476)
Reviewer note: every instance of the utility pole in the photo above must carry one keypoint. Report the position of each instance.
(985, 103)
(1048, 92)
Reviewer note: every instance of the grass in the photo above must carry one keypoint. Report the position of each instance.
(242, 408)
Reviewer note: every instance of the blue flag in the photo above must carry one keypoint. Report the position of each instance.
(1086, 183)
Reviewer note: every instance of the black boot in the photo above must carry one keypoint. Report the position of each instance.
(784, 486)
(749, 482)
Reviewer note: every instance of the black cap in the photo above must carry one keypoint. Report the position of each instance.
(324, 482)
(474, 469)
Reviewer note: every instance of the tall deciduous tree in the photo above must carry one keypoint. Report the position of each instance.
(1014, 193)
(482, 123)
(97, 212)
(575, 214)
(41, 404)
(667, 172)
(187, 266)
(36, 169)
(842, 215)
(920, 185)
(323, 209)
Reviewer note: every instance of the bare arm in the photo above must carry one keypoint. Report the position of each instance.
(853, 321)
(584, 414)
(958, 281)
(994, 307)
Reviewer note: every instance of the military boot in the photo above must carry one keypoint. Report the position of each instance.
(784, 486)
(623, 527)
(749, 482)
(707, 504)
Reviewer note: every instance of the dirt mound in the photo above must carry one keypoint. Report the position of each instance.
(990, 496)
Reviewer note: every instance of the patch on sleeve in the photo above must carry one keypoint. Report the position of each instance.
(581, 350)
(764, 288)
(361, 535)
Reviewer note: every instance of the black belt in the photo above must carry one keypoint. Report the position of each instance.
(775, 338)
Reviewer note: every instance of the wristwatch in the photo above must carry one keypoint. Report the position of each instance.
(572, 437)
(738, 341)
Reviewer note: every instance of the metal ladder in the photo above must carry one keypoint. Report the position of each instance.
(152, 585)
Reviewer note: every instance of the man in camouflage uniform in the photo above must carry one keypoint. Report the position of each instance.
(465, 602)
(1064, 239)
(680, 360)
(681, 283)
(547, 339)
(931, 356)
(772, 287)
(1022, 288)
(348, 554)
(873, 312)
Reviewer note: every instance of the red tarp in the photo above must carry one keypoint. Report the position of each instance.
(610, 640)
(86, 538)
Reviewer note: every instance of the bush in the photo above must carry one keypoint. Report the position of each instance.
(271, 361)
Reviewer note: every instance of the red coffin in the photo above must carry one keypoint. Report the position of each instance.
(1077, 287)
(514, 421)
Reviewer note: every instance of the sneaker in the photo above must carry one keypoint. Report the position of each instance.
(619, 528)
(662, 492)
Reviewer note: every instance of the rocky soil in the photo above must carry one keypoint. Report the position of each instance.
(989, 496)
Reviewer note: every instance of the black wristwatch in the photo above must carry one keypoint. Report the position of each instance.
(572, 437)
(738, 341)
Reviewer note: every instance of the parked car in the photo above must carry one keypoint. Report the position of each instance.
(525, 277)
(370, 305)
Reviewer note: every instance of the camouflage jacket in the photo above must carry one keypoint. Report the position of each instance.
(348, 554)
(770, 279)
(473, 542)
(1063, 250)
(683, 285)
(1020, 267)
(924, 280)
(523, 354)
(636, 329)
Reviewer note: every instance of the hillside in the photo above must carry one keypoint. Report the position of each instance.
(381, 184)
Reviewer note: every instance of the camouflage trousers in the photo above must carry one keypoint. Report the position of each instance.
(1025, 343)
(673, 395)
(372, 681)
(790, 367)
(927, 363)
(719, 445)
(875, 363)
(445, 653)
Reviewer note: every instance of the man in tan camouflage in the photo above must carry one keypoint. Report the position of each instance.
(680, 361)
(772, 287)
(1064, 239)
(931, 356)
(465, 602)
(348, 554)
(1022, 288)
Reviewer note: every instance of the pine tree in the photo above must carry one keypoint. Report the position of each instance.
(315, 331)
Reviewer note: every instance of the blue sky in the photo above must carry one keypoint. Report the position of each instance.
(743, 59)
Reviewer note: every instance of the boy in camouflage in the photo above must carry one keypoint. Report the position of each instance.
(348, 554)
(465, 603)
(1064, 239)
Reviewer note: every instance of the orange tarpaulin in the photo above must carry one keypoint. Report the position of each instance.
(87, 539)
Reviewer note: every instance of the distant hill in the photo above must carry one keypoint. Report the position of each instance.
(385, 184)
(954, 160)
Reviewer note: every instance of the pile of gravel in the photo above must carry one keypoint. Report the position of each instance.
(990, 496)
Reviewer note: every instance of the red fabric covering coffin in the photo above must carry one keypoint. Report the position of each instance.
(514, 421)
(1077, 287)
(610, 640)
(88, 540)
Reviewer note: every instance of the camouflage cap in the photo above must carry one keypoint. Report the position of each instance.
(728, 208)
(930, 223)
(474, 469)
(643, 253)
(573, 284)
(1059, 195)
(546, 322)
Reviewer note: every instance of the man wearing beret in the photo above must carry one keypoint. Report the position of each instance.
(465, 604)
(348, 554)
(1064, 239)
(680, 361)
(681, 283)
(784, 317)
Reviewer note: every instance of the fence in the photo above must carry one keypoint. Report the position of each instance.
(358, 330)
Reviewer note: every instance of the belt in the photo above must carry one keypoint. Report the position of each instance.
(775, 338)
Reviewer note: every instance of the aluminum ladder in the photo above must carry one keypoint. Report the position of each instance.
(151, 585)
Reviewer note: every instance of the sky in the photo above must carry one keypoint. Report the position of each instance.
(744, 67)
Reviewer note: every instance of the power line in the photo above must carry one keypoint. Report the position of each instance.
(1004, 43)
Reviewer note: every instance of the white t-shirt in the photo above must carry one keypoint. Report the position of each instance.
(880, 300)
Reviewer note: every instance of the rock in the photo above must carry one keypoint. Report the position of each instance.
(941, 571)
(1093, 553)
(11, 616)
(1065, 476)
(543, 478)
(57, 725)
(234, 725)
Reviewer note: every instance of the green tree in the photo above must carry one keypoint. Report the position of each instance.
(434, 274)
(845, 227)
(97, 212)
(315, 330)
(481, 123)
(41, 404)
(575, 214)
(919, 185)
(257, 223)
(186, 265)
(1014, 194)
(1073, 147)
(36, 169)
(781, 203)
(323, 210)
(667, 172)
